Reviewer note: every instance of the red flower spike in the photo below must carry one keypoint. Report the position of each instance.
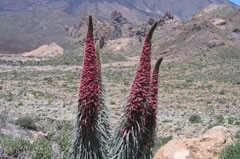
(152, 97)
(90, 134)
(139, 89)
(128, 140)
(151, 113)
(89, 88)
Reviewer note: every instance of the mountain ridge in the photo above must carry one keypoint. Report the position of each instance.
(183, 9)
(27, 24)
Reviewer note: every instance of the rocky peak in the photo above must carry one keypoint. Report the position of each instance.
(117, 18)
(114, 27)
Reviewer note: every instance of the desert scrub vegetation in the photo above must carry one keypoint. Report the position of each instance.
(73, 58)
(41, 149)
(63, 143)
(117, 76)
(219, 66)
(68, 58)
(58, 133)
(110, 58)
(26, 122)
(14, 147)
(194, 119)
(237, 136)
(232, 151)
(161, 141)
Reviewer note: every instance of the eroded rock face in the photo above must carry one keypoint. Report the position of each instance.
(115, 27)
(207, 146)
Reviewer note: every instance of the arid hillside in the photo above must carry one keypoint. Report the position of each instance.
(27, 24)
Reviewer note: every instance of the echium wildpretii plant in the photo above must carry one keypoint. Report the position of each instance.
(128, 140)
(151, 113)
(103, 119)
(89, 137)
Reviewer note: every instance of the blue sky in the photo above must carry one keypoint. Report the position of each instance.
(236, 1)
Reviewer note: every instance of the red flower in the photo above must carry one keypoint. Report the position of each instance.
(90, 134)
(151, 113)
(152, 99)
(140, 86)
(89, 101)
(128, 140)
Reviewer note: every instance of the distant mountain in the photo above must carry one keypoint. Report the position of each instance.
(27, 24)
(138, 10)
(214, 27)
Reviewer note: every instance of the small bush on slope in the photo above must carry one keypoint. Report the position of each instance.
(14, 147)
(231, 151)
(41, 149)
(26, 122)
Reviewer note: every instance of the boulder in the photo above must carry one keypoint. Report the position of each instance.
(207, 146)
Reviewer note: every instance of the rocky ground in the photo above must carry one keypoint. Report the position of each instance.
(195, 92)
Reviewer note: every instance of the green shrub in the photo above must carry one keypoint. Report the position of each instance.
(109, 57)
(26, 122)
(41, 149)
(231, 151)
(63, 143)
(194, 119)
(237, 136)
(161, 141)
(14, 146)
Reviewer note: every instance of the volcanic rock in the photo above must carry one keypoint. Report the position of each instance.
(207, 146)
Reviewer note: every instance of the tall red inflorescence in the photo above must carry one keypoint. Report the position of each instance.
(140, 86)
(89, 101)
(152, 99)
(151, 113)
(90, 134)
(129, 137)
